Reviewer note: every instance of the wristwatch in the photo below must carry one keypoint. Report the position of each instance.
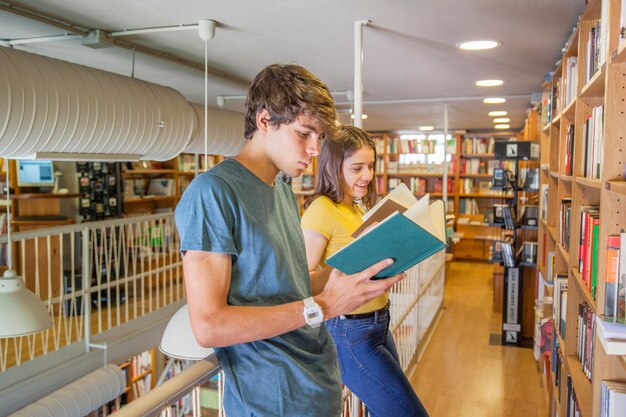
(313, 314)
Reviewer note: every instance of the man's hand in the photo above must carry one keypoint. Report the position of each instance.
(345, 293)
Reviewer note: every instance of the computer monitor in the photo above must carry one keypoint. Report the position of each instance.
(35, 174)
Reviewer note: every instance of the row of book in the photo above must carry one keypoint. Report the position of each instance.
(593, 138)
(136, 187)
(475, 166)
(477, 146)
(585, 340)
(421, 185)
(596, 44)
(588, 247)
(569, 149)
(570, 83)
(565, 222)
(423, 146)
(612, 399)
(573, 407)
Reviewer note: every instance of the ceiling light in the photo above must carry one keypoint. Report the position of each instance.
(502, 126)
(363, 116)
(498, 113)
(494, 100)
(501, 120)
(477, 45)
(489, 83)
(426, 127)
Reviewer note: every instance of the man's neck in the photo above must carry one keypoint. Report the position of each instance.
(256, 161)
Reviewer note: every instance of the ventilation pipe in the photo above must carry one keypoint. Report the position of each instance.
(52, 109)
(225, 132)
(81, 397)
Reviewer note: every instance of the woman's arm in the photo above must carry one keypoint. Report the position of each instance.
(315, 244)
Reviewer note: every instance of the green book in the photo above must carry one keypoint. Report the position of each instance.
(408, 238)
(594, 260)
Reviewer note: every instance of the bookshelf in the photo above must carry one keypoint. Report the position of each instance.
(152, 187)
(474, 197)
(416, 161)
(582, 203)
(140, 375)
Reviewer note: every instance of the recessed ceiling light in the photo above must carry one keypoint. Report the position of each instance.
(489, 83)
(426, 127)
(498, 113)
(502, 126)
(494, 100)
(363, 116)
(477, 45)
(501, 120)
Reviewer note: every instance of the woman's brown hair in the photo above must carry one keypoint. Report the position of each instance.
(345, 142)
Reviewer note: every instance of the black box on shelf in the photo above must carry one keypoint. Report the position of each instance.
(518, 149)
(529, 252)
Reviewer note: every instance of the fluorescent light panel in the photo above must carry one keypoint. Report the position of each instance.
(494, 100)
(502, 126)
(478, 45)
(498, 113)
(489, 83)
(501, 120)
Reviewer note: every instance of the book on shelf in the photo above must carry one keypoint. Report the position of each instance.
(529, 252)
(612, 335)
(560, 302)
(613, 396)
(544, 202)
(529, 215)
(586, 334)
(569, 149)
(564, 222)
(615, 278)
(593, 143)
(407, 237)
(161, 187)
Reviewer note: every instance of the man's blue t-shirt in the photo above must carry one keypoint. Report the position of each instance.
(230, 210)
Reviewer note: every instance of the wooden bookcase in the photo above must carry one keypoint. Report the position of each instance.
(605, 87)
(140, 373)
(174, 174)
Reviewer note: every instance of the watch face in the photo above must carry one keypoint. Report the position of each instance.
(312, 315)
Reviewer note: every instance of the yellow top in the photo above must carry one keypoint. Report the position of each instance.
(336, 222)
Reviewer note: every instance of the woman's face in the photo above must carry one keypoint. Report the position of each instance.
(357, 172)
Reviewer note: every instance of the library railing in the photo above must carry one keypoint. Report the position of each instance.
(93, 277)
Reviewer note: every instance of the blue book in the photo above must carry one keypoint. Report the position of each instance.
(408, 238)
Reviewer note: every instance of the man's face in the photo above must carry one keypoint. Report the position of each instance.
(293, 146)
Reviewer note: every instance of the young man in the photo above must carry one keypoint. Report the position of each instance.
(244, 260)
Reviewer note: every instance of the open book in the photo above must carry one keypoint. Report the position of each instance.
(412, 232)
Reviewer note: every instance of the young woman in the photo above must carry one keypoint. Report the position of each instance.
(367, 354)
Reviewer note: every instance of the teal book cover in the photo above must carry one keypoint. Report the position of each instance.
(408, 238)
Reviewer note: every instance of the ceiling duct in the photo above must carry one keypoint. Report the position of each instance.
(225, 135)
(53, 109)
(81, 397)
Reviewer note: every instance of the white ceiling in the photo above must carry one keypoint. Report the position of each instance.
(409, 49)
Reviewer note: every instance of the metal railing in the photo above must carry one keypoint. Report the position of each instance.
(93, 277)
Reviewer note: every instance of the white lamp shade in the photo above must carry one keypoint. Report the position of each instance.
(178, 340)
(22, 311)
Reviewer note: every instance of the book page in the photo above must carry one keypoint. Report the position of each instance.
(428, 217)
(401, 195)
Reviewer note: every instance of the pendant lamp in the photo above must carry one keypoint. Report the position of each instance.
(178, 340)
(21, 310)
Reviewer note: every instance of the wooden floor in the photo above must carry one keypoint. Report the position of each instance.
(460, 373)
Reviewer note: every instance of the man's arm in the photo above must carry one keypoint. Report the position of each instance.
(216, 324)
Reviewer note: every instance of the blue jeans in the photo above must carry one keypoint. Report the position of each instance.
(370, 366)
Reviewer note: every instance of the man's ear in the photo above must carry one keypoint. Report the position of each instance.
(263, 121)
